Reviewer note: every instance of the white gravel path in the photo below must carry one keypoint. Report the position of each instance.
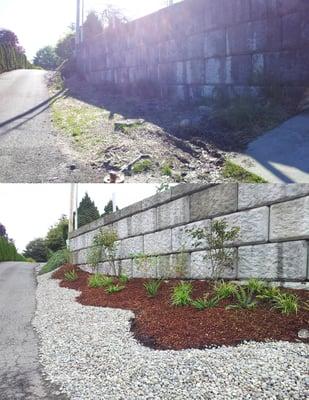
(91, 353)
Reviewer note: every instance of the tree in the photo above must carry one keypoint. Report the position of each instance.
(9, 37)
(92, 26)
(57, 235)
(3, 232)
(65, 47)
(47, 58)
(112, 17)
(87, 211)
(37, 250)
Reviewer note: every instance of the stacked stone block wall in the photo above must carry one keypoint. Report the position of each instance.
(196, 47)
(273, 242)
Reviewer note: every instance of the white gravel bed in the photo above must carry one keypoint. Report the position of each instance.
(91, 354)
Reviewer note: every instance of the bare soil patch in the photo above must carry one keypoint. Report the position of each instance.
(161, 326)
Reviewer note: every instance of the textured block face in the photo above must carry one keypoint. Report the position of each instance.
(239, 39)
(195, 72)
(253, 225)
(215, 43)
(145, 267)
(127, 267)
(173, 266)
(201, 267)
(174, 213)
(286, 260)
(81, 256)
(158, 242)
(217, 200)
(144, 222)
(131, 246)
(255, 195)
(122, 228)
(290, 220)
(182, 239)
(215, 70)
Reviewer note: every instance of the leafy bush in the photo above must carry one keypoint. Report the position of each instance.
(71, 276)
(224, 290)
(114, 289)
(12, 58)
(123, 279)
(269, 293)
(8, 251)
(181, 295)
(58, 259)
(141, 166)
(205, 302)
(99, 280)
(152, 287)
(166, 170)
(244, 299)
(257, 286)
(286, 303)
(104, 248)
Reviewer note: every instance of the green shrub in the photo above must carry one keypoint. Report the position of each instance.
(57, 259)
(123, 279)
(166, 170)
(71, 276)
(181, 295)
(8, 251)
(141, 166)
(224, 290)
(98, 280)
(238, 173)
(269, 293)
(11, 58)
(114, 289)
(205, 302)
(152, 287)
(286, 303)
(256, 286)
(244, 299)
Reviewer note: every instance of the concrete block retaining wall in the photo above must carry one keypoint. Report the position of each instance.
(273, 242)
(197, 46)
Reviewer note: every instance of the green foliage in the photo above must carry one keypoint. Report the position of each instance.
(71, 276)
(238, 173)
(269, 293)
(47, 58)
(104, 249)
(87, 211)
(66, 46)
(142, 166)
(224, 290)
(221, 257)
(163, 187)
(152, 287)
(123, 279)
(58, 259)
(144, 262)
(57, 235)
(108, 209)
(99, 280)
(37, 250)
(244, 299)
(92, 26)
(205, 302)
(166, 170)
(114, 289)
(286, 303)
(12, 58)
(306, 305)
(257, 286)
(8, 251)
(181, 295)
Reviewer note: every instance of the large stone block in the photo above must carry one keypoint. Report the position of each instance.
(215, 70)
(239, 39)
(144, 222)
(215, 43)
(126, 267)
(195, 46)
(157, 199)
(173, 266)
(291, 30)
(158, 242)
(182, 239)
(195, 71)
(290, 6)
(254, 195)
(286, 260)
(173, 213)
(253, 225)
(214, 201)
(123, 228)
(131, 246)
(201, 267)
(290, 220)
(239, 69)
(145, 267)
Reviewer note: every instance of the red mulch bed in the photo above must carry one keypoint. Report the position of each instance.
(162, 326)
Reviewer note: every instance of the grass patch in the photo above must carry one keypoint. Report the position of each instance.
(58, 259)
(231, 170)
(141, 166)
(166, 170)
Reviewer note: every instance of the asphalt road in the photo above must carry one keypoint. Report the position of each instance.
(20, 376)
(30, 149)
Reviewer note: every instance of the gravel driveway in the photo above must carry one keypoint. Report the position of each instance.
(91, 353)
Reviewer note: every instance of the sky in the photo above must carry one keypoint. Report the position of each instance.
(39, 23)
(27, 211)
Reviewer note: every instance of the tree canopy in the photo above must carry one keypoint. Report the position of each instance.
(37, 250)
(65, 46)
(47, 58)
(57, 235)
(87, 211)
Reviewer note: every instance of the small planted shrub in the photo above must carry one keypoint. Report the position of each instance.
(286, 303)
(98, 280)
(142, 166)
(56, 260)
(166, 170)
(223, 290)
(71, 276)
(205, 302)
(269, 293)
(123, 279)
(114, 289)
(181, 295)
(152, 287)
(244, 299)
(257, 286)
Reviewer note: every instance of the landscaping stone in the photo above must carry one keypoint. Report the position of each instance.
(303, 334)
(144, 222)
(182, 239)
(173, 213)
(92, 354)
(131, 246)
(158, 242)
(201, 266)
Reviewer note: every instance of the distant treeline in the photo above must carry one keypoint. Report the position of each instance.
(11, 58)
(8, 251)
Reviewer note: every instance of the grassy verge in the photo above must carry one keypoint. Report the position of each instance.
(56, 260)
(233, 171)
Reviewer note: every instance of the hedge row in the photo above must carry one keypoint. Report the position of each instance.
(11, 59)
(8, 251)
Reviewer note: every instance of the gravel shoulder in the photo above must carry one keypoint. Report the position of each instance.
(91, 353)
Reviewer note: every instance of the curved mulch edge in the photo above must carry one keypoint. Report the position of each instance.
(158, 325)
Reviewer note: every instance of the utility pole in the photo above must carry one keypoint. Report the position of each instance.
(77, 37)
(71, 216)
